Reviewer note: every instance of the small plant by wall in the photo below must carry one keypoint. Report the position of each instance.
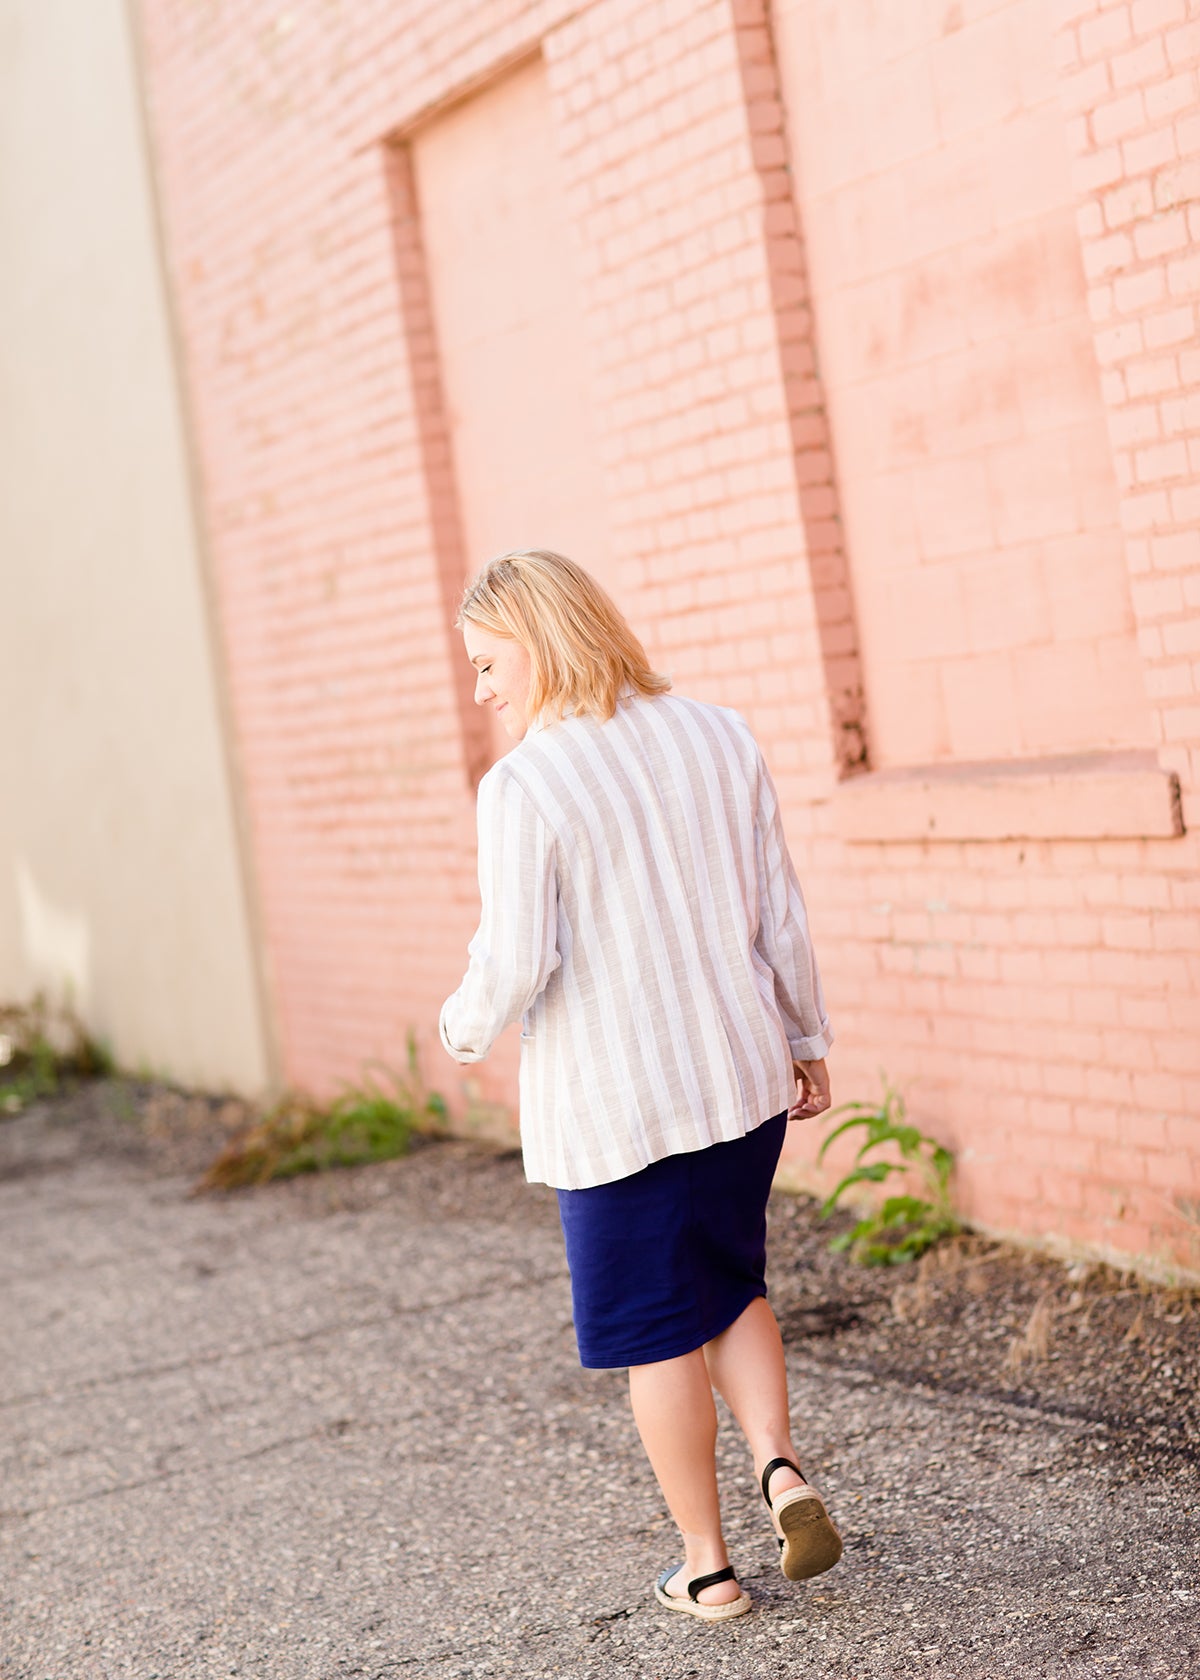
(375, 1120)
(902, 1226)
(42, 1045)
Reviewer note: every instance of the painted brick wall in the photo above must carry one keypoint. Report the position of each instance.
(510, 331)
(676, 186)
(1131, 87)
(933, 177)
(1036, 997)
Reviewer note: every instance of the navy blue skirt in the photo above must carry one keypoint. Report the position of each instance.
(668, 1258)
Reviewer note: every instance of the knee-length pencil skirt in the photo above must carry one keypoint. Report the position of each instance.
(668, 1258)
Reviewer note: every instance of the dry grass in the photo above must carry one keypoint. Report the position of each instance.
(954, 1257)
(41, 1043)
(373, 1121)
(1032, 1345)
(1137, 1330)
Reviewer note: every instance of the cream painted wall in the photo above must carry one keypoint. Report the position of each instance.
(119, 858)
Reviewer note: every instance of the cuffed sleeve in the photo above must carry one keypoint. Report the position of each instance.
(514, 951)
(783, 939)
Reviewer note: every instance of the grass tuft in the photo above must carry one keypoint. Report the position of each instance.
(41, 1046)
(375, 1120)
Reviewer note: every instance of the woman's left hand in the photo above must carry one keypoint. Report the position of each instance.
(812, 1094)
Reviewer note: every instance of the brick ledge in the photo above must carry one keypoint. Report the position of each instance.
(1084, 796)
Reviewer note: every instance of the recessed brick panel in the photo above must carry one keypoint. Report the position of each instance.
(516, 366)
(954, 341)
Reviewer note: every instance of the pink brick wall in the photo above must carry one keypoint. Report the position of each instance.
(1037, 997)
(514, 353)
(932, 172)
(1131, 89)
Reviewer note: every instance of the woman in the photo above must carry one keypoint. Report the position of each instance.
(642, 918)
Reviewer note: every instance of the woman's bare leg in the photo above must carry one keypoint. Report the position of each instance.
(746, 1366)
(677, 1421)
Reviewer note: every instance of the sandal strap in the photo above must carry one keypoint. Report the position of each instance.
(777, 1464)
(696, 1587)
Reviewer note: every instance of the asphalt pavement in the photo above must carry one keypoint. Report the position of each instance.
(337, 1428)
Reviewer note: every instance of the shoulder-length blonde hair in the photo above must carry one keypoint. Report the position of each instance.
(581, 651)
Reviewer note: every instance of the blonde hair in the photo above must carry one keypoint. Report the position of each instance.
(581, 651)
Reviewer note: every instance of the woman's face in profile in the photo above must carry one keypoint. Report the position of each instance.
(502, 676)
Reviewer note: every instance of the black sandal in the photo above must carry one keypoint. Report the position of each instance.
(808, 1542)
(691, 1605)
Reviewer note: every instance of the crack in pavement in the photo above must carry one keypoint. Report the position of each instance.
(301, 1338)
(476, 1647)
(208, 1467)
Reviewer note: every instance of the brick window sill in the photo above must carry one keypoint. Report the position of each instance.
(1085, 796)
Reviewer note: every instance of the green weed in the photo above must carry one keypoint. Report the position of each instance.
(375, 1120)
(902, 1226)
(41, 1046)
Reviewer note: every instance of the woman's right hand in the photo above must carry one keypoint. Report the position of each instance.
(812, 1093)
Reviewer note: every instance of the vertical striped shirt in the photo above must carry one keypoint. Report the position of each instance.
(642, 917)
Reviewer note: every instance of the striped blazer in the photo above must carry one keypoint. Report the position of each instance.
(642, 917)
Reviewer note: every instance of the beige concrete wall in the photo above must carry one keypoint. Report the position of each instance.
(119, 862)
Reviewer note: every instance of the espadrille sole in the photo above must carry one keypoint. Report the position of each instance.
(810, 1543)
(692, 1607)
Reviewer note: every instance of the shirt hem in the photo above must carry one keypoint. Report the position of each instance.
(536, 1176)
